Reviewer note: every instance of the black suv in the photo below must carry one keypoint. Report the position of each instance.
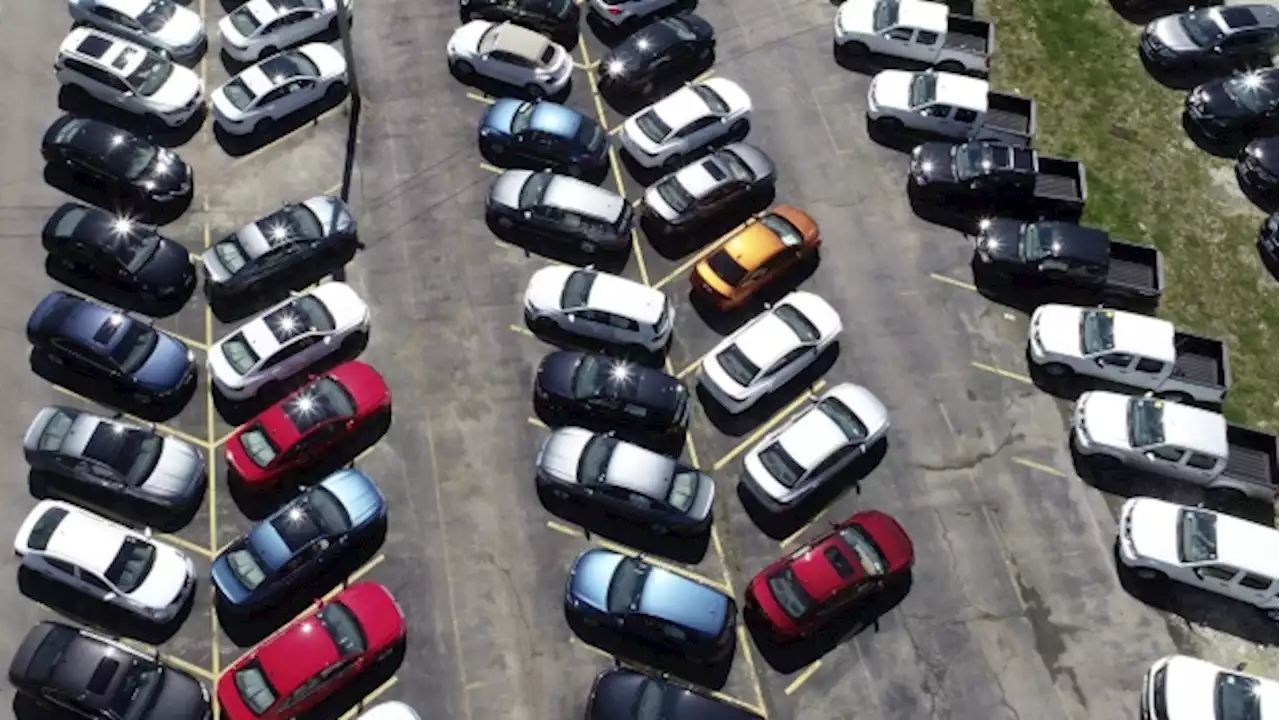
(613, 393)
(1256, 170)
(116, 161)
(667, 49)
(1240, 106)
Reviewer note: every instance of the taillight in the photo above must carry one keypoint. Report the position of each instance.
(987, 62)
(615, 11)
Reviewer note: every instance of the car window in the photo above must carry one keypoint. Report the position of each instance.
(274, 95)
(50, 653)
(1255, 582)
(1149, 365)
(936, 111)
(965, 115)
(1117, 359)
(43, 528)
(1201, 462)
(594, 462)
(927, 38)
(344, 629)
(786, 361)
(94, 581)
(902, 34)
(61, 566)
(696, 126)
(137, 693)
(1169, 454)
(533, 189)
(1216, 572)
(254, 688)
(786, 589)
(1197, 535)
(131, 565)
(626, 585)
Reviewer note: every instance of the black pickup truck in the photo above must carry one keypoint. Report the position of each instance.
(986, 178)
(1071, 256)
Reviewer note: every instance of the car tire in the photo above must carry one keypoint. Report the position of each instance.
(588, 247)
(268, 51)
(464, 69)
(951, 66)
(1177, 397)
(77, 95)
(739, 129)
(673, 163)
(573, 170)
(495, 148)
(1150, 575)
(541, 325)
(1057, 370)
(856, 49)
(265, 126)
(503, 222)
(335, 92)
(890, 125)
(534, 91)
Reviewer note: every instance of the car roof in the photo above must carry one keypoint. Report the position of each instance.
(814, 571)
(703, 176)
(1248, 545)
(117, 56)
(1078, 243)
(91, 324)
(812, 437)
(626, 298)
(674, 597)
(297, 654)
(1195, 429)
(681, 108)
(521, 42)
(640, 470)
(1142, 335)
(581, 197)
(962, 91)
(558, 120)
(648, 42)
(132, 8)
(266, 332)
(930, 16)
(766, 339)
(753, 245)
(1242, 17)
(93, 669)
(89, 541)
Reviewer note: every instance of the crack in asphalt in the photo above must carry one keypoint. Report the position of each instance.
(1049, 637)
(972, 461)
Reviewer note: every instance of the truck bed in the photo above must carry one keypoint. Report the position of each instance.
(1251, 456)
(1011, 113)
(1200, 360)
(1138, 269)
(1059, 179)
(968, 35)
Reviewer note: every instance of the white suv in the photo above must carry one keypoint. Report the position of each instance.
(598, 305)
(128, 76)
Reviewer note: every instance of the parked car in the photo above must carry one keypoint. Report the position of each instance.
(1211, 35)
(598, 306)
(766, 353)
(262, 95)
(115, 161)
(671, 48)
(159, 24)
(915, 30)
(1256, 170)
(512, 55)
(1200, 689)
(651, 605)
(257, 30)
(314, 656)
(562, 209)
(104, 560)
(667, 132)
(612, 393)
(556, 18)
(852, 563)
(128, 77)
(621, 693)
(983, 179)
(703, 189)
(296, 543)
(1269, 243)
(392, 710)
(752, 258)
(286, 339)
(110, 347)
(101, 678)
(1242, 105)
(137, 465)
(545, 133)
(117, 251)
(949, 105)
(301, 430)
(628, 13)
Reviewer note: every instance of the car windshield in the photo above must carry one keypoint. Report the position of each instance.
(533, 190)
(1255, 91)
(239, 353)
(150, 75)
(1236, 697)
(786, 589)
(652, 126)
(924, 88)
(1037, 242)
(684, 489)
(1197, 535)
(522, 117)
(594, 462)
(290, 222)
(55, 431)
(314, 515)
(137, 249)
(577, 288)
(1146, 422)
(591, 377)
(141, 156)
(711, 98)
(143, 463)
(886, 15)
(230, 254)
(589, 135)
(137, 692)
(789, 234)
(315, 313)
(344, 629)
(157, 15)
(649, 704)
(737, 168)
(869, 556)
(726, 268)
(844, 418)
(781, 466)
(1201, 27)
(736, 365)
(131, 564)
(971, 160)
(238, 93)
(244, 21)
(1097, 331)
(246, 566)
(326, 400)
(254, 688)
(626, 585)
(674, 194)
(135, 347)
(258, 446)
(798, 323)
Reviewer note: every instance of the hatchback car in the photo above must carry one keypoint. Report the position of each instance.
(1256, 170)
(110, 347)
(286, 83)
(624, 694)
(260, 29)
(137, 465)
(628, 13)
(814, 447)
(625, 480)
(611, 392)
(671, 48)
(705, 188)
(858, 559)
(297, 542)
(302, 429)
(128, 76)
(668, 131)
(104, 560)
(747, 261)
(599, 306)
(160, 24)
(766, 353)
(1242, 105)
(650, 604)
(1213, 35)
(560, 208)
(286, 339)
(556, 18)
(314, 656)
(545, 133)
(287, 240)
(120, 163)
(100, 678)
(512, 55)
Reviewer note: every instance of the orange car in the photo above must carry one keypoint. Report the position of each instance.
(752, 257)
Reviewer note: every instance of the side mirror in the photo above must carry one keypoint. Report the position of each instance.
(351, 424)
(527, 214)
(108, 597)
(1241, 666)
(147, 532)
(1099, 362)
(1148, 395)
(571, 317)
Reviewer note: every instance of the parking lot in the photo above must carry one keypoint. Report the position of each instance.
(1015, 608)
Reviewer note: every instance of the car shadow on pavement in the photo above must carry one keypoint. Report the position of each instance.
(97, 614)
(708, 675)
(1071, 386)
(230, 309)
(49, 486)
(498, 90)
(628, 101)
(351, 696)
(870, 63)
(670, 444)
(677, 244)
(687, 549)
(754, 416)
(95, 390)
(725, 322)
(1189, 75)
(1025, 295)
(112, 295)
(269, 131)
(1223, 148)
(77, 102)
(902, 140)
(562, 251)
(146, 212)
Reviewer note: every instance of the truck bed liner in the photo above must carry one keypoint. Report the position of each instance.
(1131, 274)
(1251, 456)
(1200, 360)
(967, 34)
(1057, 187)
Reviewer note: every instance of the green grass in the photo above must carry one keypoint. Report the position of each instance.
(1147, 182)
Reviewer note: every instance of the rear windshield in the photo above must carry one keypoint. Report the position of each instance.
(254, 689)
(737, 366)
(626, 585)
(711, 98)
(42, 530)
(594, 462)
(343, 628)
(258, 446)
(239, 353)
(533, 189)
(653, 127)
(684, 489)
(790, 595)
(577, 289)
(726, 268)
(795, 320)
(840, 414)
(781, 465)
(246, 567)
(237, 92)
(50, 652)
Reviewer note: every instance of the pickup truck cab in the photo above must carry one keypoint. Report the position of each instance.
(1182, 442)
(1130, 349)
(997, 179)
(1181, 686)
(948, 105)
(917, 30)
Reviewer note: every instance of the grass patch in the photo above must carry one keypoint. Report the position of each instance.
(1147, 182)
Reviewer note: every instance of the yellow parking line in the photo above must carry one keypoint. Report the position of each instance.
(615, 130)
(196, 259)
(536, 423)
(1037, 466)
(802, 677)
(635, 245)
(193, 547)
(491, 168)
(689, 368)
(190, 342)
(481, 98)
(684, 266)
(222, 440)
(523, 330)
(1002, 372)
(172, 660)
(370, 698)
(211, 482)
(607, 544)
(592, 66)
(953, 281)
(333, 189)
(242, 159)
(769, 425)
(133, 418)
(704, 76)
(803, 529)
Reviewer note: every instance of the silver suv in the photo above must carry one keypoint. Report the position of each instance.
(560, 208)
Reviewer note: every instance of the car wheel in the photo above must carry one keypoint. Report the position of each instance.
(1149, 575)
(503, 222)
(573, 170)
(77, 95)
(463, 69)
(890, 125)
(739, 129)
(495, 148)
(264, 126)
(856, 48)
(673, 163)
(267, 51)
(541, 325)
(1057, 370)
(534, 91)
(951, 66)
(587, 246)
(335, 92)
(1227, 496)
(1176, 397)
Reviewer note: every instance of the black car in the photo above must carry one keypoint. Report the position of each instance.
(1269, 244)
(96, 677)
(1256, 170)
(118, 251)
(667, 49)
(615, 393)
(1211, 37)
(556, 18)
(116, 161)
(625, 694)
(1242, 105)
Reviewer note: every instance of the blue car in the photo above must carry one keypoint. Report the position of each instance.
(298, 541)
(543, 133)
(110, 347)
(651, 605)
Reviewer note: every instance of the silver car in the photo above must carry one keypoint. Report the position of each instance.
(136, 464)
(626, 480)
(702, 189)
(160, 24)
(561, 208)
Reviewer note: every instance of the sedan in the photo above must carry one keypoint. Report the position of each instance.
(621, 693)
(752, 258)
(119, 163)
(1242, 105)
(160, 24)
(556, 18)
(297, 542)
(260, 29)
(598, 306)
(769, 351)
(1211, 35)
(110, 347)
(512, 55)
(314, 656)
(627, 13)
(614, 393)
(1256, 170)
(134, 464)
(814, 447)
(855, 561)
(544, 133)
(671, 48)
(266, 93)
(650, 604)
(668, 131)
(562, 209)
(303, 429)
(705, 188)
(626, 480)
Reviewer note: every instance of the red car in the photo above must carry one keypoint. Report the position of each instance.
(303, 427)
(858, 558)
(307, 660)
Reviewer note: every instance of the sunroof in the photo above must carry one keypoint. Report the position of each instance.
(287, 323)
(94, 46)
(1238, 17)
(108, 329)
(714, 170)
(102, 675)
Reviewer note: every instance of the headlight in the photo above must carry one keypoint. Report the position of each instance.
(191, 356)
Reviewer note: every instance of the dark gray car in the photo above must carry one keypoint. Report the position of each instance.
(96, 677)
(702, 189)
(1211, 35)
(562, 209)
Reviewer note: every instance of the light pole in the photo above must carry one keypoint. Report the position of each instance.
(353, 119)
(344, 34)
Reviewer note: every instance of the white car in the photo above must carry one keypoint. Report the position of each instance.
(393, 710)
(105, 560)
(699, 113)
(287, 338)
(128, 76)
(767, 352)
(510, 54)
(161, 24)
(622, 12)
(814, 446)
(600, 306)
(1180, 687)
(260, 28)
(279, 86)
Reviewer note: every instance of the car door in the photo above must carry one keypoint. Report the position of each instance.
(95, 586)
(1117, 363)
(279, 32)
(59, 570)
(897, 41)
(299, 700)
(1217, 577)
(273, 103)
(828, 468)
(592, 323)
(283, 363)
(788, 367)
(699, 133)
(1255, 588)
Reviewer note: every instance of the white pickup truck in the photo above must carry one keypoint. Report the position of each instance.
(1129, 349)
(949, 105)
(918, 30)
(1179, 441)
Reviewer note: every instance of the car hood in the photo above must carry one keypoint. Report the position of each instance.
(891, 89)
(181, 88)
(1057, 327)
(999, 240)
(467, 38)
(1212, 99)
(659, 390)
(178, 472)
(590, 576)
(505, 190)
(857, 16)
(498, 117)
(555, 373)
(932, 162)
(181, 696)
(170, 265)
(184, 30)
(1105, 417)
(166, 367)
(1168, 30)
(545, 287)
(614, 695)
(328, 59)
(691, 604)
(333, 214)
(560, 453)
(349, 311)
(164, 583)
(1153, 529)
